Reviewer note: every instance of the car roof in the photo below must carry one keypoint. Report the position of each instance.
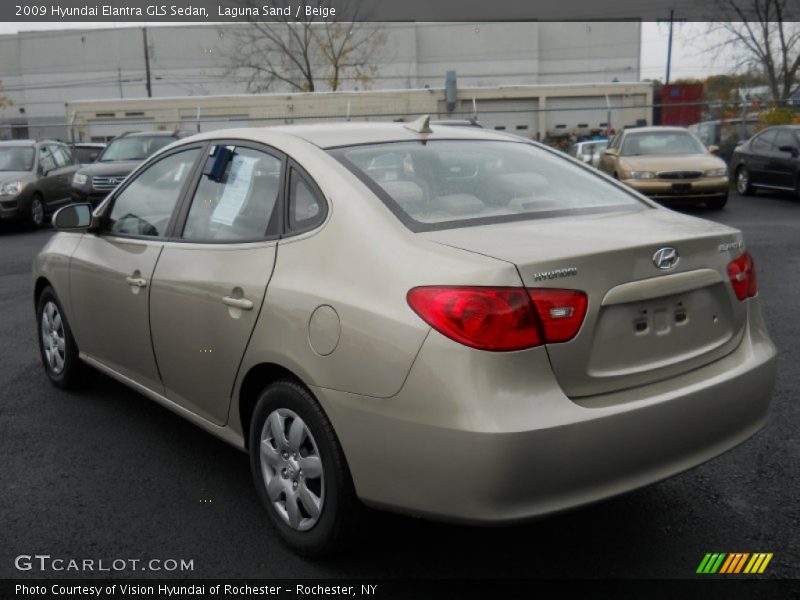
(331, 135)
(27, 142)
(170, 134)
(655, 129)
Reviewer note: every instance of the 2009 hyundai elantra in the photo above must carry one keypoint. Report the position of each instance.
(453, 323)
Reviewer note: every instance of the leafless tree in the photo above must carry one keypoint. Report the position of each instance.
(762, 40)
(303, 53)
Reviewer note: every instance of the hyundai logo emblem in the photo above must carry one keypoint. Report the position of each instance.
(666, 258)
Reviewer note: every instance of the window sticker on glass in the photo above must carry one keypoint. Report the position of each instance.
(238, 184)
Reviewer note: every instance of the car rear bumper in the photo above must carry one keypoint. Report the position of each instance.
(458, 444)
(700, 189)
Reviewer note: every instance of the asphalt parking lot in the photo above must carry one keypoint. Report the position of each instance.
(106, 473)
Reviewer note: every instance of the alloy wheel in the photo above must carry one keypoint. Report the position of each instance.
(37, 211)
(292, 469)
(53, 338)
(742, 181)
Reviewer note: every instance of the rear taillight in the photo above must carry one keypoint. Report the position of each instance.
(742, 272)
(500, 318)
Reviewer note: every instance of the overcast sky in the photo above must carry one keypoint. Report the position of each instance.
(690, 57)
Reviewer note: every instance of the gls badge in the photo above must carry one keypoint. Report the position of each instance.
(666, 258)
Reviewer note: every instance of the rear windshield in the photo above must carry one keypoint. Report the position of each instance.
(452, 183)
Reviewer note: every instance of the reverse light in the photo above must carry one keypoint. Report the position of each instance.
(742, 273)
(500, 319)
(561, 312)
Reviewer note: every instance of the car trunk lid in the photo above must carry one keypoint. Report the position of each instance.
(643, 323)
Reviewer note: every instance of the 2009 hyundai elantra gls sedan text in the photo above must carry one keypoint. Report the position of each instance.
(448, 322)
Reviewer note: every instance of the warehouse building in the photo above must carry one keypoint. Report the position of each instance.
(532, 111)
(41, 70)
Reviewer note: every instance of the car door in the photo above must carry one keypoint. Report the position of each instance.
(47, 182)
(210, 281)
(782, 163)
(61, 176)
(757, 160)
(111, 269)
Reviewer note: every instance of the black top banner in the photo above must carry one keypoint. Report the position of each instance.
(211, 11)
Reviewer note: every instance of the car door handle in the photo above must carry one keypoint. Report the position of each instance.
(137, 281)
(242, 303)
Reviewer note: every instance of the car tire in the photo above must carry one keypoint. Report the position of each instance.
(717, 203)
(743, 185)
(311, 510)
(56, 345)
(36, 213)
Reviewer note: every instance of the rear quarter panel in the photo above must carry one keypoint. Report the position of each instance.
(361, 262)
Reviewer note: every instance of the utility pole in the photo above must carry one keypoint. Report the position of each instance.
(147, 62)
(669, 46)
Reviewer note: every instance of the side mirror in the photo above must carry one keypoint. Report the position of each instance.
(610, 151)
(790, 149)
(714, 149)
(73, 217)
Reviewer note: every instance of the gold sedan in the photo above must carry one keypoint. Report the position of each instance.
(667, 163)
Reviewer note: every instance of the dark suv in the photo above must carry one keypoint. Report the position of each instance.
(35, 179)
(123, 154)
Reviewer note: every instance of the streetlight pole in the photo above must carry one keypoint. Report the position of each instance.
(669, 45)
(146, 63)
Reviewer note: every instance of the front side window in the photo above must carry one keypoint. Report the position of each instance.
(16, 158)
(460, 182)
(235, 201)
(46, 161)
(661, 143)
(144, 207)
(137, 147)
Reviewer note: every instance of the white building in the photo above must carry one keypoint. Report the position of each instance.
(42, 70)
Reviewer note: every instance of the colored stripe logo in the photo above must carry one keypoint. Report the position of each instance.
(734, 562)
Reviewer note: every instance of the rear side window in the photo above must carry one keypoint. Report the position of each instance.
(46, 161)
(62, 156)
(784, 137)
(307, 209)
(450, 183)
(236, 201)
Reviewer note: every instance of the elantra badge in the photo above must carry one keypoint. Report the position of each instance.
(666, 258)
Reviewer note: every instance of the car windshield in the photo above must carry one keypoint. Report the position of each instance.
(134, 148)
(661, 143)
(450, 183)
(16, 158)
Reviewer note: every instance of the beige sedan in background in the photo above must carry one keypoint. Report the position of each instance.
(667, 164)
(448, 322)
